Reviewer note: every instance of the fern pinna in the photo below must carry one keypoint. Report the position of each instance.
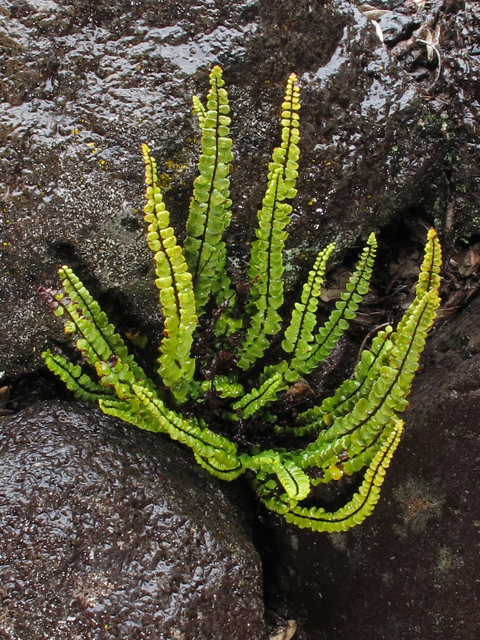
(218, 382)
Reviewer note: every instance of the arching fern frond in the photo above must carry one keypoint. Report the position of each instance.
(97, 340)
(129, 411)
(362, 503)
(203, 441)
(76, 381)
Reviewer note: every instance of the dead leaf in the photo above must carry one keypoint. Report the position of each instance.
(285, 632)
(4, 400)
(372, 12)
(4, 396)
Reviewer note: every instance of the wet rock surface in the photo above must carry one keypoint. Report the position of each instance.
(85, 83)
(411, 570)
(388, 138)
(107, 533)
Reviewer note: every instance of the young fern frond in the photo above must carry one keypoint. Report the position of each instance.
(345, 311)
(225, 386)
(174, 282)
(252, 402)
(266, 261)
(298, 334)
(355, 429)
(200, 110)
(210, 206)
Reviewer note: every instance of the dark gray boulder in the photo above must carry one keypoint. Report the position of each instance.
(107, 532)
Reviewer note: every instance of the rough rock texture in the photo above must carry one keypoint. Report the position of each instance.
(108, 532)
(84, 83)
(386, 139)
(411, 570)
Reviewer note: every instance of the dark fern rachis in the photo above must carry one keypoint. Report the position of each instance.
(356, 429)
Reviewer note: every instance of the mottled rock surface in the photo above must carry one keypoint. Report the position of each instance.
(84, 83)
(108, 532)
(387, 138)
(410, 572)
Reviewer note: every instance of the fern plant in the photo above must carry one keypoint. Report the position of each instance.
(216, 382)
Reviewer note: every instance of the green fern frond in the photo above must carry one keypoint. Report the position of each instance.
(298, 334)
(219, 470)
(356, 430)
(365, 374)
(82, 386)
(286, 156)
(252, 402)
(356, 463)
(131, 412)
(362, 503)
(225, 386)
(295, 482)
(429, 278)
(98, 342)
(345, 397)
(203, 441)
(345, 311)
(210, 206)
(266, 259)
(174, 283)
(200, 110)
(266, 256)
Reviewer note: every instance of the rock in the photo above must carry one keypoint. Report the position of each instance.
(411, 570)
(387, 138)
(108, 532)
(87, 83)
(396, 27)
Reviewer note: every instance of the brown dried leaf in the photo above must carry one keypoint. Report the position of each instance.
(4, 397)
